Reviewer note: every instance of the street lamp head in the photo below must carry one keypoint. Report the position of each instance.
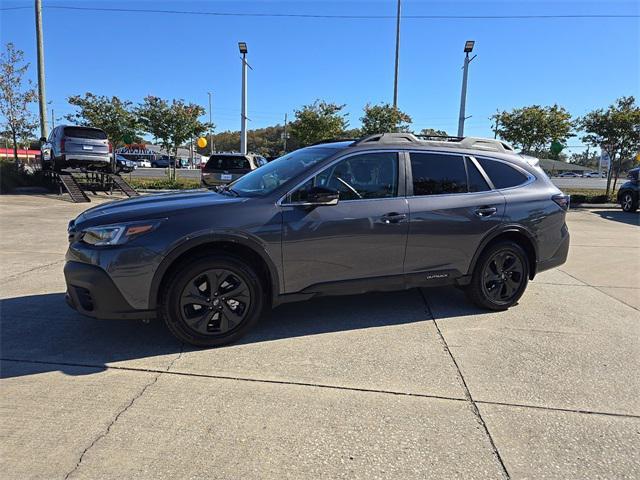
(243, 47)
(468, 46)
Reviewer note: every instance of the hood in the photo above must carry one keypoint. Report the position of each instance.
(152, 206)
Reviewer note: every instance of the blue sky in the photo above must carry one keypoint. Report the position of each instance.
(578, 63)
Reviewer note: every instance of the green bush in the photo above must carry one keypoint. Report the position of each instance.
(579, 195)
(12, 177)
(164, 183)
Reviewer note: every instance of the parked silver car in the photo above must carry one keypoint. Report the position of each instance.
(76, 147)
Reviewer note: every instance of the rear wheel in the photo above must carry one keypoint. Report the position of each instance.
(500, 276)
(212, 301)
(628, 203)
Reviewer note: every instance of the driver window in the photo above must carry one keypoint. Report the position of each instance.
(358, 177)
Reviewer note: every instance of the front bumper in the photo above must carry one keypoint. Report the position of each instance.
(91, 292)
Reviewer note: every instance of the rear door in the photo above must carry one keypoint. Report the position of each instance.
(452, 206)
(223, 169)
(85, 141)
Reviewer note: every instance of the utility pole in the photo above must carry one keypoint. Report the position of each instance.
(243, 119)
(53, 120)
(284, 135)
(210, 127)
(395, 79)
(41, 93)
(495, 129)
(468, 48)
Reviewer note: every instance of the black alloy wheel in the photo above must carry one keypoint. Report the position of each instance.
(215, 302)
(500, 276)
(212, 300)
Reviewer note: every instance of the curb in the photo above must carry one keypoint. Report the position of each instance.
(594, 205)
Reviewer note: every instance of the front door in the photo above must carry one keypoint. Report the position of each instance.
(363, 236)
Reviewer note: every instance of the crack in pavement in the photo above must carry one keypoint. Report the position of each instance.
(39, 267)
(601, 291)
(121, 412)
(314, 385)
(467, 393)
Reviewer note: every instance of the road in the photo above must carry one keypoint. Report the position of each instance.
(413, 384)
(585, 183)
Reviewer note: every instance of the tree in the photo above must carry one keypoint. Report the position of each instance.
(432, 132)
(116, 117)
(15, 97)
(171, 123)
(384, 118)
(534, 128)
(585, 159)
(616, 130)
(318, 121)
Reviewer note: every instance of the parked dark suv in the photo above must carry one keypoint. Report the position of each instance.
(629, 192)
(224, 168)
(386, 212)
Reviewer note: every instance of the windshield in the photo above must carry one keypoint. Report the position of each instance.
(267, 178)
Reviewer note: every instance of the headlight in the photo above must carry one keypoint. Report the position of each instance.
(117, 234)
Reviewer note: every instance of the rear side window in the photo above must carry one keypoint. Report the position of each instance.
(82, 132)
(501, 174)
(227, 162)
(477, 183)
(435, 174)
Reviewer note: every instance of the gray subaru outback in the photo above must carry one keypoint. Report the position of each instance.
(385, 212)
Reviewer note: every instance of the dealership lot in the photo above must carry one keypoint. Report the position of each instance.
(415, 384)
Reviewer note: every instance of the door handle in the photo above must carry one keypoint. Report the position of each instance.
(486, 211)
(393, 217)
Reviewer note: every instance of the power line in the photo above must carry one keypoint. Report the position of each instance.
(327, 16)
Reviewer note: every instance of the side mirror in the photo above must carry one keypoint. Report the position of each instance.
(322, 196)
(43, 139)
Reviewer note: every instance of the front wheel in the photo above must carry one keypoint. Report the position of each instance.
(500, 277)
(628, 203)
(212, 301)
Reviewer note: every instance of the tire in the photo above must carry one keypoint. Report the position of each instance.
(628, 203)
(198, 312)
(500, 276)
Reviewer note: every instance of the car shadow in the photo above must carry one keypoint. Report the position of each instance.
(40, 333)
(620, 216)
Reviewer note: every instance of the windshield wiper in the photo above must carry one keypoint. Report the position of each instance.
(227, 188)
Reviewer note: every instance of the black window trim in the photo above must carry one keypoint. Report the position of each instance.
(409, 175)
(530, 177)
(401, 178)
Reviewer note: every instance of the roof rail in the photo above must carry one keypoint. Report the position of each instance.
(333, 140)
(389, 138)
(472, 143)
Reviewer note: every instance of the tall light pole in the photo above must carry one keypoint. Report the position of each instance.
(468, 48)
(395, 78)
(243, 120)
(42, 101)
(210, 126)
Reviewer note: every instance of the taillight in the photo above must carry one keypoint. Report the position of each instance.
(562, 200)
(110, 147)
(62, 145)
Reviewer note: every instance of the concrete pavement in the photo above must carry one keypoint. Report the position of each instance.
(415, 384)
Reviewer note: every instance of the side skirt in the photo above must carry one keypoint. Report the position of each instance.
(389, 283)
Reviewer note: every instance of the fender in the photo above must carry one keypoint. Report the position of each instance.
(506, 228)
(192, 242)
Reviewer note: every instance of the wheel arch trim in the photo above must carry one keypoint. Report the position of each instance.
(212, 238)
(506, 229)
